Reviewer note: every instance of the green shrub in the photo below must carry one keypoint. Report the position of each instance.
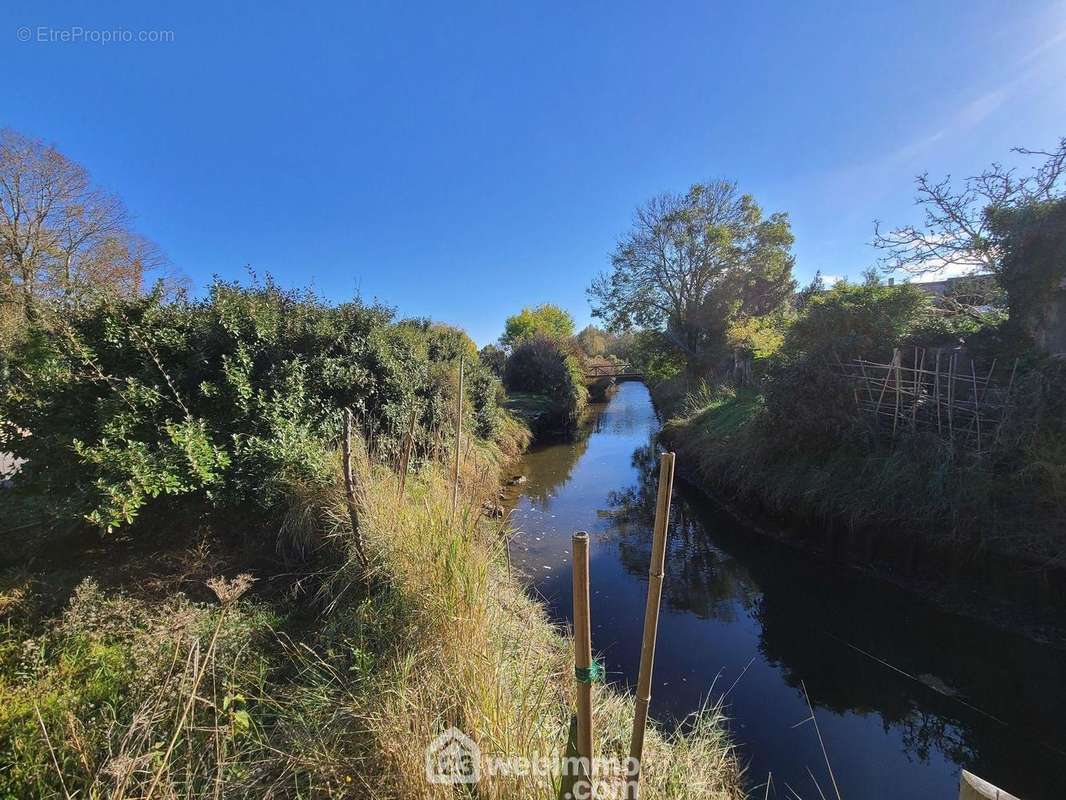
(98, 692)
(225, 400)
(853, 320)
(544, 366)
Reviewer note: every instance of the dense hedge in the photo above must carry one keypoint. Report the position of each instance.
(545, 366)
(224, 399)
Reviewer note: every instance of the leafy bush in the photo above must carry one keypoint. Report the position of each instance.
(544, 366)
(591, 341)
(1033, 242)
(226, 400)
(654, 356)
(545, 320)
(853, 320)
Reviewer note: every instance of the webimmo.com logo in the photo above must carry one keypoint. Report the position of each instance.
(453, 758)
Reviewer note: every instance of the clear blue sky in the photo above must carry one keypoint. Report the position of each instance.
(460, 160)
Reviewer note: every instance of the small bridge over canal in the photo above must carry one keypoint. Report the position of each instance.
(620, 372)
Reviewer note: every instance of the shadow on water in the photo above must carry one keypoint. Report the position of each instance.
(905, 694)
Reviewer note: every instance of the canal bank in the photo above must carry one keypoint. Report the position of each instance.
(1009, 589)
(906, 694)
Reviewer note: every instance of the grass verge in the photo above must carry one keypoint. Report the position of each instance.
(330, 688)
(915, 486)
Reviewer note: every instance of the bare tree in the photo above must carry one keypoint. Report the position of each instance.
(61, 237)
(957, 230)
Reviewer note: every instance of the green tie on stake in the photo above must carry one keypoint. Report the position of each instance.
(651, 622)
(594, 673)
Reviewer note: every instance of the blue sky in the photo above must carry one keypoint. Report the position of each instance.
(462, 160)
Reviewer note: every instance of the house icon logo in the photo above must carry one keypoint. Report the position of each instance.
(453, 758)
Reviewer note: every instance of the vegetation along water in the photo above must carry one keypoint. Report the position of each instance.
(256, 541)
(905, 694)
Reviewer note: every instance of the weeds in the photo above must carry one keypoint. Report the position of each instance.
(123, 697)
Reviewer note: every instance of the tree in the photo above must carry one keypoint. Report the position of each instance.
(61, 237)
(811, 290)
(592, 341)
(960, 228)
(1032, 270)
(494, 358)
(544, 320)
(694, 263)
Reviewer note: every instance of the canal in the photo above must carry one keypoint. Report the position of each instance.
(905, 694)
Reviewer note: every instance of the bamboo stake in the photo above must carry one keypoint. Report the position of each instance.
(988, 380)
(917, 389)
(651, 621)
(884, 387)
(936, 392)
(866, 380)
(897, 357)
(458, 440)
(951, 395)
(976, 406)
(1006, 404)
(582, 657)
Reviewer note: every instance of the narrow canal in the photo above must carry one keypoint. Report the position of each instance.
(905, 695)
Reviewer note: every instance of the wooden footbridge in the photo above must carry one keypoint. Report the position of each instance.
(620, 372)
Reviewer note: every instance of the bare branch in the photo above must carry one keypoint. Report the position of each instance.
(955, 231)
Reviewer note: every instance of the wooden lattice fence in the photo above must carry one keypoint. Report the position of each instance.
(942, 391)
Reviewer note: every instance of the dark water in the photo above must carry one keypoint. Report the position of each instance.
(905, 695)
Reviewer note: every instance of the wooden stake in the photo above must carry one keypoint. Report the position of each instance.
(897, 357)
(409, 445)
(349, 489)
(976, 405)
(866, 380)
(1006, 404)
(651, 621)
(458, 440)
(917, 388)
(951, 395)
(884, 386)
(936, 393)
(582, 655)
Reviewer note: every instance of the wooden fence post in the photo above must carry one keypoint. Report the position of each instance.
(651, 622)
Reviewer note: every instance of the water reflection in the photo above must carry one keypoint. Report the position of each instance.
(904, 693)
(947, 685)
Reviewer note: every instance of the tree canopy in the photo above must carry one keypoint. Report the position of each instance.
(62, 237)
(546, 320)
(695, 263)
(592, 341)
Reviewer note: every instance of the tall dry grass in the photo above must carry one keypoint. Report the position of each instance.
(333, 696)
(479, 654)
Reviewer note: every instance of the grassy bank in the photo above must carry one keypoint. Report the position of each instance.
(167, 680)
(914, 487)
